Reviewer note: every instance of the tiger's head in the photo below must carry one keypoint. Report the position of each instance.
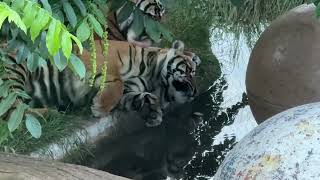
(153, 8)
(179, 73)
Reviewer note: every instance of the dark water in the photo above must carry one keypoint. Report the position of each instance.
(188, 146)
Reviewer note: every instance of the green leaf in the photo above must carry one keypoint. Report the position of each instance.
(60, 61)
(125, 12)
(98, 14)
(77, 66)
(76, 40)
(33, 125)
(53, 37)
(117, 4)
(137, 24)
(39, 23)
(43, 50)
(96, 25)
(66, 43)
(17, 5)
(23, 53)
(17, 20)
(42, 62)
(7, 102)
(71, 15)
(83, 31)
(152, 29)
(16, 117)
(58, 14)
(29, 14)
(4, 13)
(4, 89)
(81, 7)
(22, 94)
(45, 5)
(33, 62)
(165, 32)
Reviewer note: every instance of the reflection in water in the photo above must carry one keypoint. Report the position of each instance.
(227, 116)
(181, 148)
(187, 146)
(153, 153)
(209, 155)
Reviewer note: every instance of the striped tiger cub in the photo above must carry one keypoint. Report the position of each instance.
(138, 79)
(123, 30)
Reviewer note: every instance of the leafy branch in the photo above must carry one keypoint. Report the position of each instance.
(141, 21)
(36, 20)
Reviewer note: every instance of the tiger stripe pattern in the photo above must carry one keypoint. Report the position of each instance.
(147, 80)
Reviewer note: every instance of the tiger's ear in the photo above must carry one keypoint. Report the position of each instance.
(178, 45)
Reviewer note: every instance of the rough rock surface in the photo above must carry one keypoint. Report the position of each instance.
(283, 70)
(286, 146)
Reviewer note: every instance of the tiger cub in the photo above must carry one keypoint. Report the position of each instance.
(123, 30)
(138, 79)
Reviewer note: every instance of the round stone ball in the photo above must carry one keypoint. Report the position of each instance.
(286, 146)
(284, 66)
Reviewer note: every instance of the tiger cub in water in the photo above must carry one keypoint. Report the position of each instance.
(138, 79)
(120, 29)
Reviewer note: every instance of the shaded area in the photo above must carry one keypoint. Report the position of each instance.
(182, 147)
(208, 156)
(150, 153)
(191, 26)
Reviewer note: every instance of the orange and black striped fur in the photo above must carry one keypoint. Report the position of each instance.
(138, 79)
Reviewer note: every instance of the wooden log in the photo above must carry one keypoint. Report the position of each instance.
(19, 167)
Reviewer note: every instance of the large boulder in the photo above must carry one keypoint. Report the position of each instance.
(286, 146)
(284, 67)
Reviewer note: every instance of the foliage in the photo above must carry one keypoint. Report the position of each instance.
(241, 16)
(317, 3)
(57, 126)
(192, 27)
(37, 31)
(141, 21)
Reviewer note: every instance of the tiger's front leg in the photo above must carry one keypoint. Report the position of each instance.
(135, 98)
(145, 103)
(107, 99)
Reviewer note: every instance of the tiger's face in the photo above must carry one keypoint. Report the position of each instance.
(153, 8)
(180, 73)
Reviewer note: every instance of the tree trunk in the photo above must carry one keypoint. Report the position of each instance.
(18, 167)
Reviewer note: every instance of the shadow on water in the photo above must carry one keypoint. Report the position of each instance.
(187, 146)
(208, 155)
(181, 148)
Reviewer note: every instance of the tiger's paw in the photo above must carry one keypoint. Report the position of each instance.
(150, 109)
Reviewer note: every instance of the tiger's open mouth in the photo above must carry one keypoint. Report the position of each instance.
(186, 87)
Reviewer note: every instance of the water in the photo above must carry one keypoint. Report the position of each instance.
(187, 146)
(234, 60)
(227, 116)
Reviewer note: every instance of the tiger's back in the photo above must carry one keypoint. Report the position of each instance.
(138, 79)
